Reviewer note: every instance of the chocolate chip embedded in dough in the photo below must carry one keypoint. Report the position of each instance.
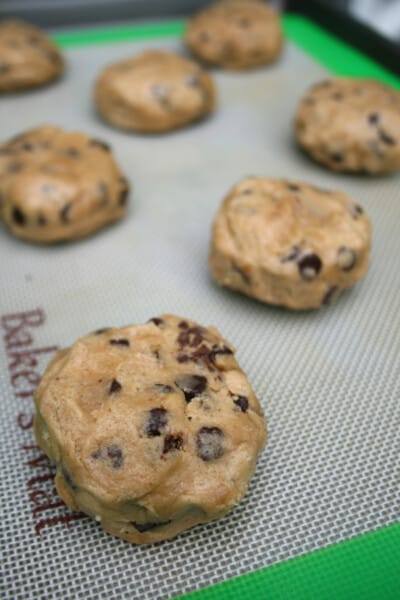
(156, 422)
(142, 527)
(172, 442)
(119, 342)
(191, 385)
(242, 402)
(210, 443)
(18, 216)
(309, 266)
(115, 387)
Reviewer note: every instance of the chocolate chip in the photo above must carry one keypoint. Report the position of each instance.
(103, 193)
(115, 387)
(156, 321)
(219, 350)
(183, 325)
(27, 147)
(309, 266)
(329, 294)
(209, 443)
(172, 442)
(373, 118)
(64, 212)
(247, 192)
(356, 211)
(242, 402)
(142, 527)
(119, 342)
(191, 385)
(123, 196)
(96, 454)
(161, 93)
(156, 422)
(41, 220)
(245, 23)
(100, 144)
(293, 254)
(386, 138)
(337, 96)
(18, 216)
(293, 187)
(192, 336)
(347, 258)
(163, 389)
(336, 157)
(114, 453)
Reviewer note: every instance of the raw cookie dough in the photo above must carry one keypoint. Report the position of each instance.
(28, 58)
(351, 125)
(289, 243)
(154, 91)
(154, 428)
(236, 34)
(57, 186)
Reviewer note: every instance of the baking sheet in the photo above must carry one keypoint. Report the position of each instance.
(328, 380)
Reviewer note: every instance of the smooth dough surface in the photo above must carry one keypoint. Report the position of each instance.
(154, 91)
(154, 427)
(57, 185)
(351, 125)
(289, 243)
(28, 58)
(236, 34)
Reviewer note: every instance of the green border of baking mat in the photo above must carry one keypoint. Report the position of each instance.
(366, 567)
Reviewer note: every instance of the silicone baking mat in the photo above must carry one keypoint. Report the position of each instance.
(329, 381)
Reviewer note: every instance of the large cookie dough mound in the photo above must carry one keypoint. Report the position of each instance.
(154, 91)
(28, 58)
(56, 185)
(236, 34)
(154, 428)
(289, 243)
(351, 125)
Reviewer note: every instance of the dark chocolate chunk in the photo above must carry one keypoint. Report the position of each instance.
(100, 144)
(142, 527)
(123, 196)
(373, 118)
(219, 350)
(209, 443)
(192, 336)
(68, 479)
(64, 212)
(156, 321)
(18, 216)
(41, 220)
(183, 325)
(163, 389)
(242, 402)
(309, 266)
(356, 211)
(337, 96)
(119, 342)
(156, 422)
(336, 157)
(27, 147)
(100, 331)
(96, 454)
(329, 294)
(386, 138)
(115, 387)
(73, 152)
(347, 258)
(114, 453)
(191, 385)
(247, 192)
(172, 442)
(293, 187)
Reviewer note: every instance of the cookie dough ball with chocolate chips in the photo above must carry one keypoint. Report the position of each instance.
(57, 185)
(154, 428)
(236, 34)
(289, 243)
(351, 125)
(28, 58)
(153, 92)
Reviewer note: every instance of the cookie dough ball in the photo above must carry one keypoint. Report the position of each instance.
(154, 428)
(154, 91)
(28, 58)
(236, 34)
(57, 186)
(351, 125)
(289, 243)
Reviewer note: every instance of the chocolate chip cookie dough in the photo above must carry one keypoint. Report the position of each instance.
(154, 427)
(236, 34)
(28, 58)
(153, 92)
(289, 243)
(57, 185)
(351, 125)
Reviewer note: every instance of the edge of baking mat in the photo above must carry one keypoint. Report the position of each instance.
(365, 566)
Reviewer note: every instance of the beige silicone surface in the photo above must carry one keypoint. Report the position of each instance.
(328, 380)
